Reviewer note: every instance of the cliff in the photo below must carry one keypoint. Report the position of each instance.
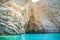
(45, 17)
(25, 16)
(13, 16)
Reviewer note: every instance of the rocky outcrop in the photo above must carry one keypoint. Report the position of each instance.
(45, 16)
(13, 16)
(25, 16)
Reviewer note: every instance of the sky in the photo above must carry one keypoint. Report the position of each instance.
(34, 1)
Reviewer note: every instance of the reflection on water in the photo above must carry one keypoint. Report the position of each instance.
(23, 37)
(7, 37)
(55, 36)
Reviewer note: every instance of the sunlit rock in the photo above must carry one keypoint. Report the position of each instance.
(13, 15)
(31, 16)
(45, 16)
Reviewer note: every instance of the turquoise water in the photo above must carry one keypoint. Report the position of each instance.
(54, 36)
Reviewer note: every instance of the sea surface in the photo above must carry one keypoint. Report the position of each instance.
(48, 36)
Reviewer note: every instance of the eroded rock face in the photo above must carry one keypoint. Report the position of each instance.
(45, 16)
(20, 16)
(13, 15)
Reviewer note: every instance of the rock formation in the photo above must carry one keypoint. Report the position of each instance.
(45, 16)
(13, 16)
(25, 16)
